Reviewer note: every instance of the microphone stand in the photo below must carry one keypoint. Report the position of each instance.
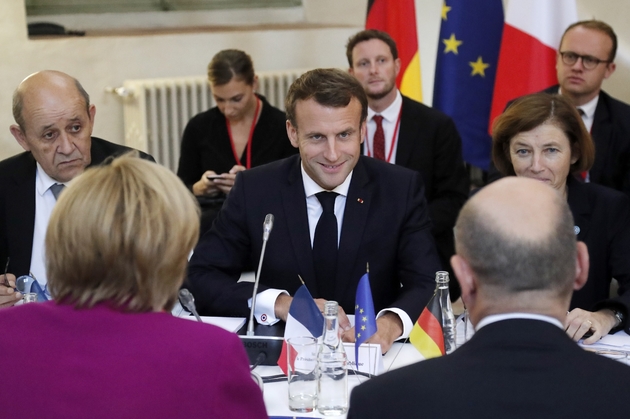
(250, 325)
(261, 350)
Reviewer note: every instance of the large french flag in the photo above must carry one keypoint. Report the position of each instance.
(304, 319)
(527, 58)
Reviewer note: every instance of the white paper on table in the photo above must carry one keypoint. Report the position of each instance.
(370, 358)
(620, 341)
(231, 324)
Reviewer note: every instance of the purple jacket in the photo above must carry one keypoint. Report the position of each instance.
(103, 363)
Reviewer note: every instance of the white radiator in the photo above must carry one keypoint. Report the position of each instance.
(156, 111)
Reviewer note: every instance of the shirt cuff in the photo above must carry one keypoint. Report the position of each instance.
(265, 306)
(404, 317)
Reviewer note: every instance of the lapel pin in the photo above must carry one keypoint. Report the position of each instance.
(577, 230)
(359, 200)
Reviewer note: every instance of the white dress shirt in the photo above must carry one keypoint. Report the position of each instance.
(390, 119)
(265, 301)
(589, 112)
(44, 203)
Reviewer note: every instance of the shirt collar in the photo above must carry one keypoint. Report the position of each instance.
(508, 316)
(390, 114)
(588, 107)
(311, 187)
(43, 182)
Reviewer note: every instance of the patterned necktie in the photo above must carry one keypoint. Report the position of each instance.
(56, 189)
(379, 138)
(325, 246)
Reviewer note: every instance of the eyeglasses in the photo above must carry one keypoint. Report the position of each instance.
(588, 61)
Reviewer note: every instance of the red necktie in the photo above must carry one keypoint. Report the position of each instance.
(583, 175)
(379, 138)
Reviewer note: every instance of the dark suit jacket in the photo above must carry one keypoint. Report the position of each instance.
(611, 134)
(385, 223)
(17, 202)
(428, 142)
(509, 369)
(602, 216)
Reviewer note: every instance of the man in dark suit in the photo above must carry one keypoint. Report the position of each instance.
(585, 59)
(413, 135)
(517, 273)
(379, 215)
(54, 121)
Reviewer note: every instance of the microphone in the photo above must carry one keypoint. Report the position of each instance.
(188, 301)
(267, 226)
(257, 347)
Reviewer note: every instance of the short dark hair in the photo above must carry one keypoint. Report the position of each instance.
(18, 104)
(510, 265)
(367, 35)
(531, 111)
(329, 87)
(597, 25)
(229, 64)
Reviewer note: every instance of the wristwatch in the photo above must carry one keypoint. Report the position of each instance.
(619, 316)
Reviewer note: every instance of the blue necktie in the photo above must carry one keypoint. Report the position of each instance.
(56, 189)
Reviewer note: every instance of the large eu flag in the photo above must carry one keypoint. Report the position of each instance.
(468, 52)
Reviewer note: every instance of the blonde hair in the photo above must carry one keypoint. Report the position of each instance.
(121, 233)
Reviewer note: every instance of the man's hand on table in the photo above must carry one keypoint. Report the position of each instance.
(8, 295)
(579, 321)
(389, 327)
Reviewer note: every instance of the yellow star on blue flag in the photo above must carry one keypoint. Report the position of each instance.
(479, 67)
(452, 44)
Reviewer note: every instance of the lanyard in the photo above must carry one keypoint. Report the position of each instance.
(393, 142)
(249, 139)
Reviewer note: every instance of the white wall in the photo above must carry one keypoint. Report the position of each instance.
(104, 61)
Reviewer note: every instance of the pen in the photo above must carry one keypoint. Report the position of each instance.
(5, 281)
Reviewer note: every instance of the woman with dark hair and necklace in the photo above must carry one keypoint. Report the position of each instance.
(241, 132)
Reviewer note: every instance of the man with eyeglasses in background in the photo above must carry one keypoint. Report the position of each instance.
(585, 58)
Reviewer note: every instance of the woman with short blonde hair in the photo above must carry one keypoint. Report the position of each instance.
(107, 346)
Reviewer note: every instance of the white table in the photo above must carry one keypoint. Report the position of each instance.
(276, 394)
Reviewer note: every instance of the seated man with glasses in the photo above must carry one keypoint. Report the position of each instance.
(585, 58)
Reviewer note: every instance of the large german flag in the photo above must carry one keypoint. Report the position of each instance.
(398, 18)
(427, 335)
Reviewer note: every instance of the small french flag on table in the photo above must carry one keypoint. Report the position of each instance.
(304, 319)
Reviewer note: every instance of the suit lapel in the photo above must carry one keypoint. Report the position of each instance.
(601, 132)
(21, 211)
(580, 207)
(405, 135)
(355, 218)
(294, 204)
